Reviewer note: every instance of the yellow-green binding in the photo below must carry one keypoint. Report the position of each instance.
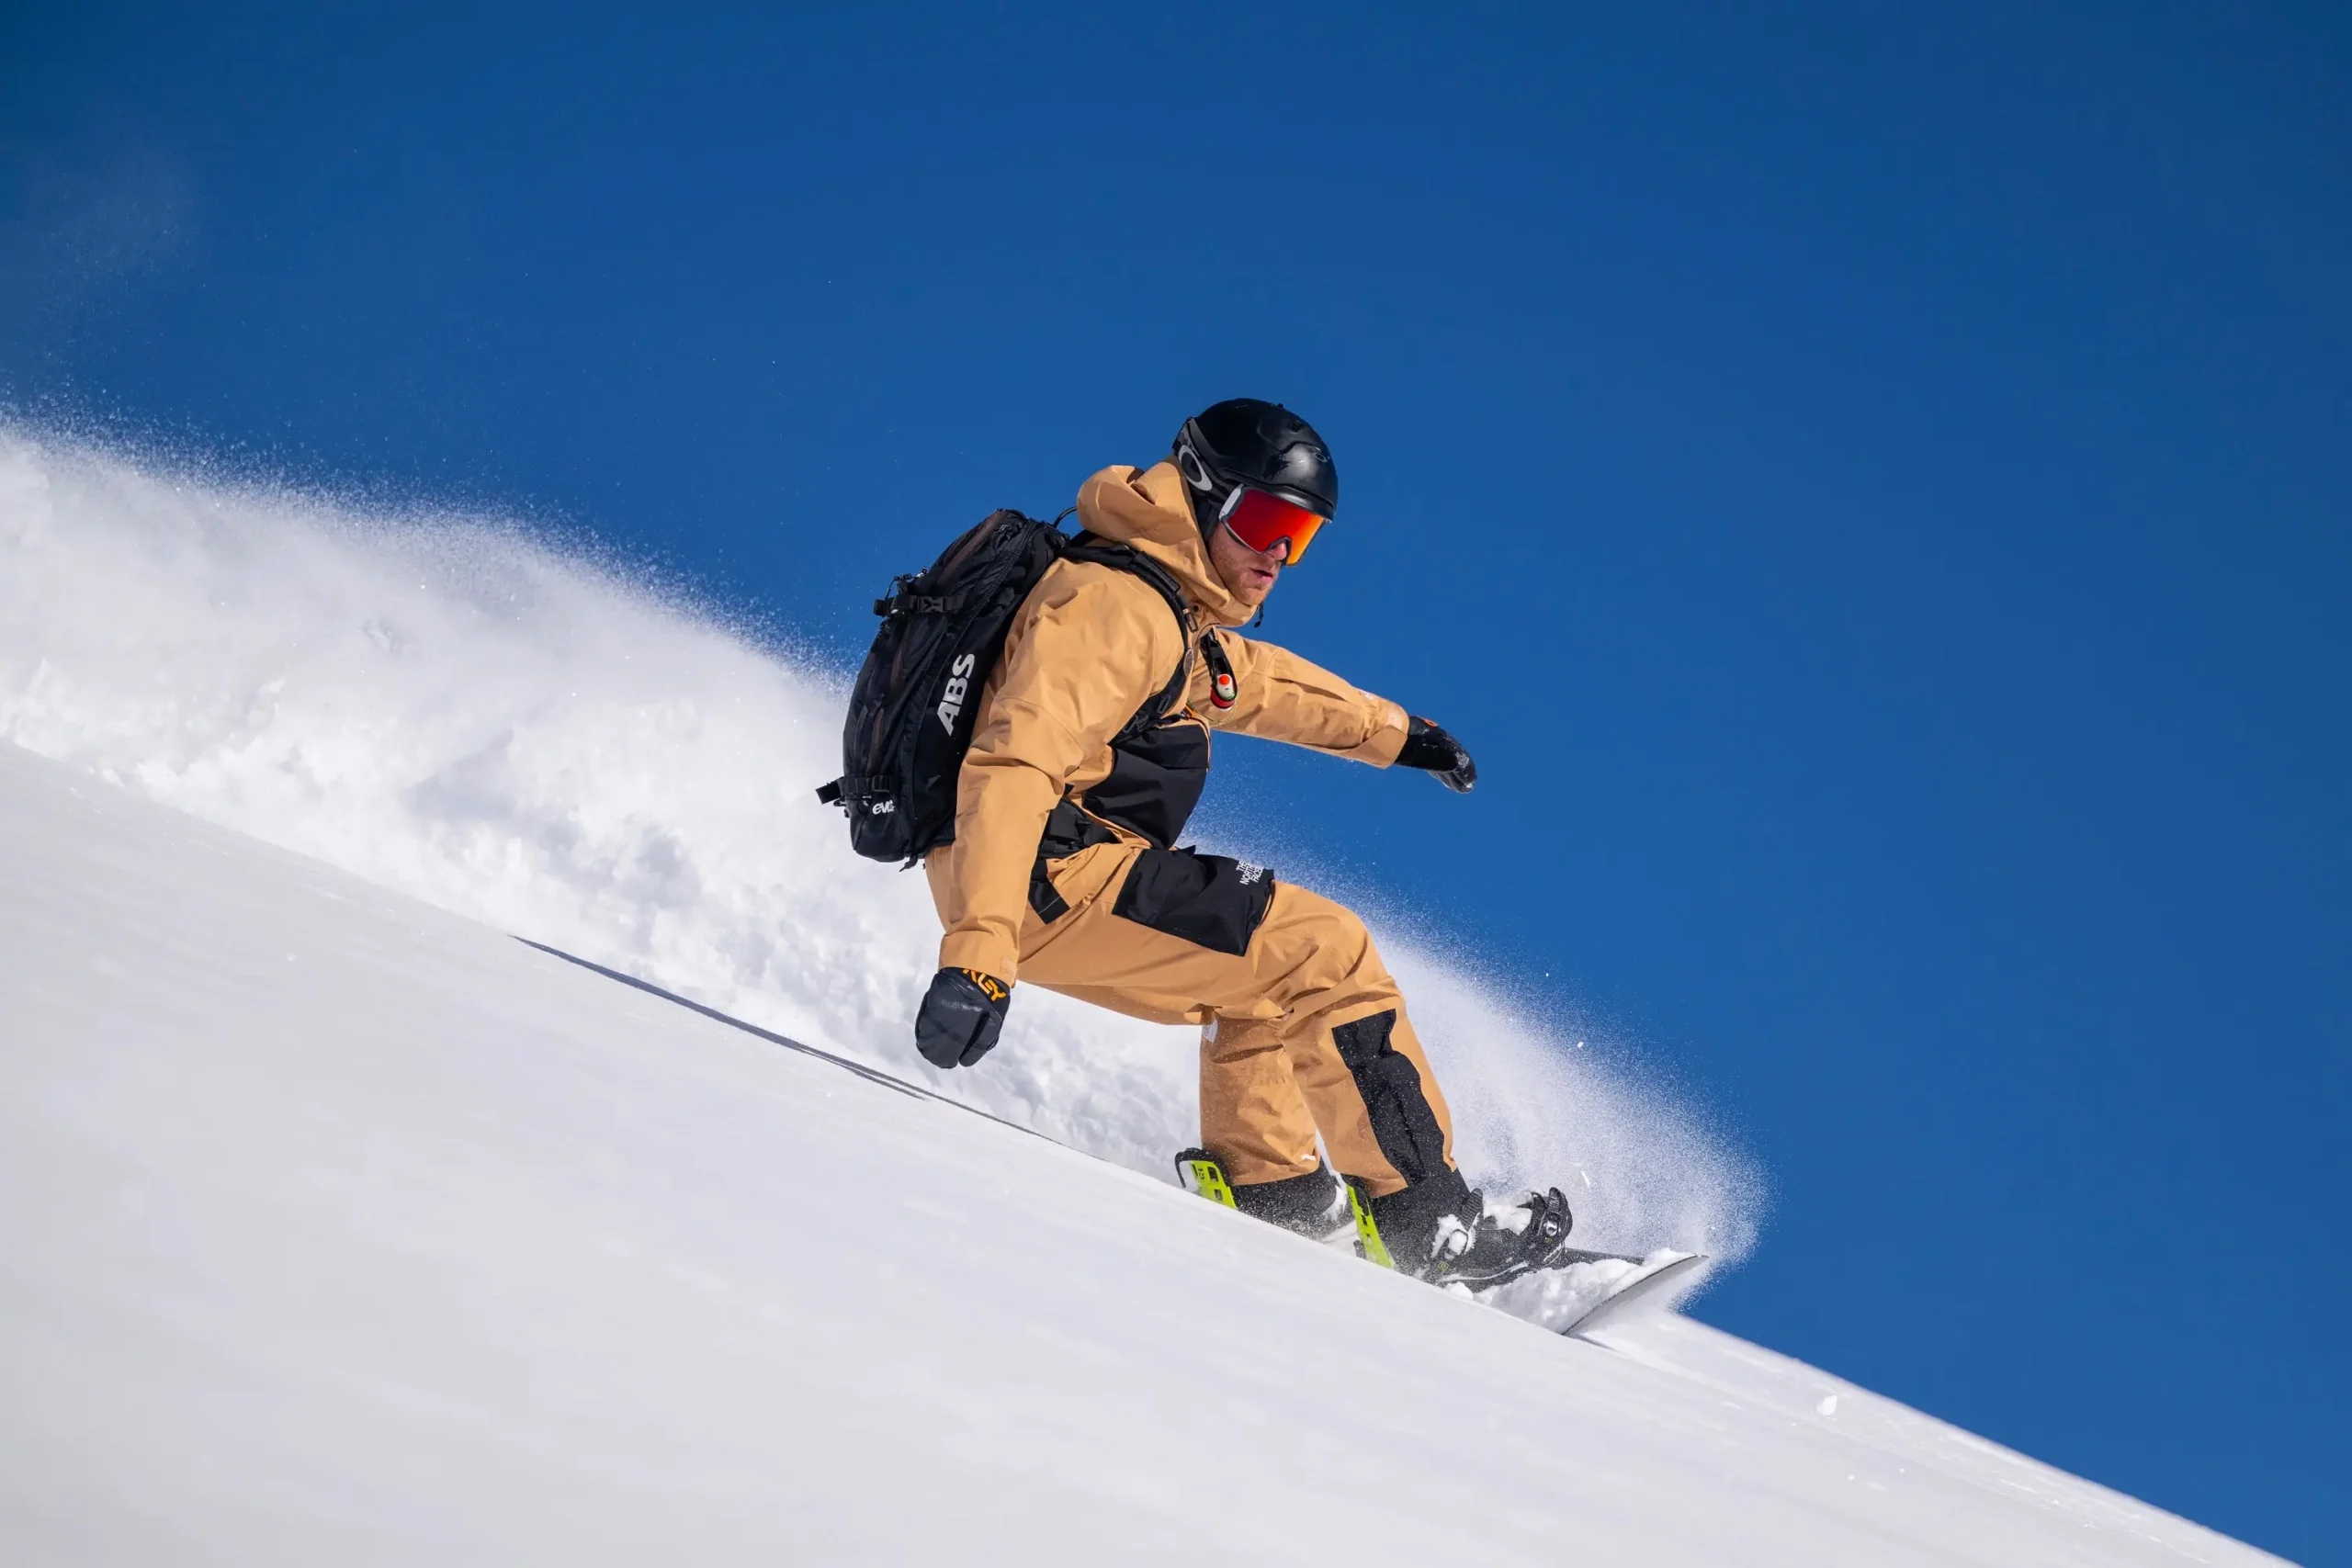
(1202, 1174)
(1368, 1242)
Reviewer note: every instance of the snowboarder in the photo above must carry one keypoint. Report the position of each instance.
(1064, 870)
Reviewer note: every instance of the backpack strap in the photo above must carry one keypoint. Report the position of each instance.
(1127, 558)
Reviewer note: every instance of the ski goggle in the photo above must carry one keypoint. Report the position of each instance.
(1263, 520)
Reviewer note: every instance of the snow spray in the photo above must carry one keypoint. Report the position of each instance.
(476, 714)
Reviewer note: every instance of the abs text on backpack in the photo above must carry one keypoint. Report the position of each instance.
(918, 696)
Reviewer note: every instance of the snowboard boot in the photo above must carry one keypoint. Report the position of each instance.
(1500, 1241)
(1404, 1230)
(1439, 1229)
(1314, 1205)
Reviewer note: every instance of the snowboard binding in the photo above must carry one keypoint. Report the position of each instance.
(1501, 1242)
(1492, 1245)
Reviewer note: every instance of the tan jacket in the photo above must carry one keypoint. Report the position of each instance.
(1090, 647)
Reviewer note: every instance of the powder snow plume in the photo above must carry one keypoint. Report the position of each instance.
(452, 707)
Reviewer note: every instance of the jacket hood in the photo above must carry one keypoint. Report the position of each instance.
(1147, 508)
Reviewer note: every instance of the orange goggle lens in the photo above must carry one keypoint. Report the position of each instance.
(1262, 521)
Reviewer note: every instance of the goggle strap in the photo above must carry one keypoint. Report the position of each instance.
(1197, 473)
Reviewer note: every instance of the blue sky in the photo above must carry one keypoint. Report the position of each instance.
(1873, 485)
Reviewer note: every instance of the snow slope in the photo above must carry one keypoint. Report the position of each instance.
(337, 1228)
(446, 706)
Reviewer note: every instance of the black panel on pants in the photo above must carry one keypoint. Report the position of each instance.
(1212, 901)
(1402, 1123)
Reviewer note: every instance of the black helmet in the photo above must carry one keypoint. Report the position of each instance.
(1243, 441)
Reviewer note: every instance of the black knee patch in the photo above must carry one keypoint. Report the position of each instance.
(1402, 1123)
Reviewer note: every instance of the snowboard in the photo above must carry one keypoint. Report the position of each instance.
(1198, 1172)
(1648, 1279)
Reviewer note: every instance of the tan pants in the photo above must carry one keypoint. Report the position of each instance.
(1302, 1030)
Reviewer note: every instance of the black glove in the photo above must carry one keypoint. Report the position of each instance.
(960, 1018)
(1432, 750)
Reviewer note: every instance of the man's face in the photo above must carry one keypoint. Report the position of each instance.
(1249, 573)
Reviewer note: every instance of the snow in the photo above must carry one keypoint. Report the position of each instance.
(337, 1225)
(336, 1228)
(448, 707)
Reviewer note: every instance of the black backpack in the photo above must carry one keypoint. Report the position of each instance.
(918, 694)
